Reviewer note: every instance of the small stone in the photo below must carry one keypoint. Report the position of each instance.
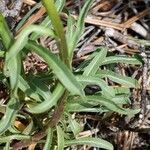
(148, 107)
(140, 116)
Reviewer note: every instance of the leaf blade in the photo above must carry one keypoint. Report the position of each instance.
(94, 142)
(60, 138)
(92, 68)
(123, 80)
(107, 90)
(62, 72)
(121, 59)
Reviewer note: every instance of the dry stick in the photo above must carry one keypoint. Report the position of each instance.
(129, 22)
(121, 38)
(96, 21)
(32, 146)
(93, 21)
(25, 143)
(111, 9)
(144, 87)
(58, 111)
(85, 56)
(29, 2)
(144, 83)
(33, 18)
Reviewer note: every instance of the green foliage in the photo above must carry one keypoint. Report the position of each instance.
(95, 142)
(42, 106)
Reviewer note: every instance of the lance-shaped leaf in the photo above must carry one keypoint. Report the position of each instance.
(60, 138)
(46, 105)
(62, 72)
(9, 116)
(59, 30)
(121, 59)
(92, 68)
(25, 87)
(14, 66)
(87, 80)
(77, 28)
(94, 142)
(123, 80)
(49, 138)
(110, 105)
(83, 107)
(5, 139)
(22, 39)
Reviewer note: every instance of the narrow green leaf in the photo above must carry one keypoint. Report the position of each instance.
(79, 28)
(75, 126)
(7, 146)
(2, 53)
(75, 104)
(60, 5)
(47, 22)
(107, 90)
(121, 59)
(111, 105)
(122, 90)
(60, 138)
(14, 70)
(28, 14)
(121, 99)
(92, 68)
(40, 88)
(82, 107)
(13, 129)
(62, 72)
(59, 30)
(5, 33)
(46, 105)
(70, 29)
(9, 116)
(94, 142)
(123, 80)
(25, 87)
(14, 66)
(5, 139)
(145, 42)
(49, 138)
(22, 39)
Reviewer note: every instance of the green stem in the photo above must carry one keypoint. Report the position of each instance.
(59, 29)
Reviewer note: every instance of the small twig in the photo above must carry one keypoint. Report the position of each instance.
(29, 2)
(129, 22)
(25, 143)
(96, 21)
(144, 97)
(58, 111)
(121, 38)
(33, 18)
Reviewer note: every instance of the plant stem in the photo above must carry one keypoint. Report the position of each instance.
(58, 27)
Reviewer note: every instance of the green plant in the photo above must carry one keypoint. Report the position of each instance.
(50, 109)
